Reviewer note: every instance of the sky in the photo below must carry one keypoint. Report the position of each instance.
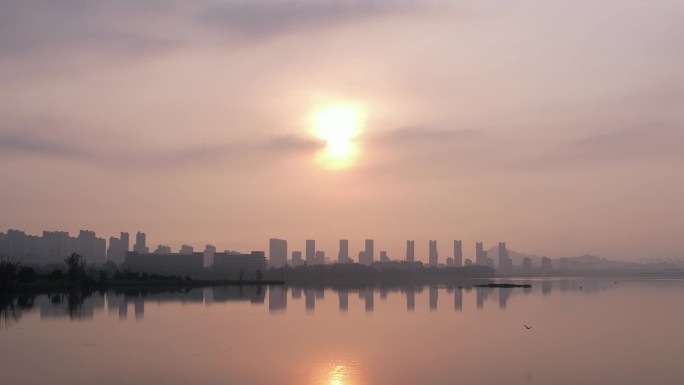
(554, 126)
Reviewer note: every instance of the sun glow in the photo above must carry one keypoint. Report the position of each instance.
(337, 372)
(339, 126)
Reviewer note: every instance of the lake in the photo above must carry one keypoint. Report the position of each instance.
(581, 331)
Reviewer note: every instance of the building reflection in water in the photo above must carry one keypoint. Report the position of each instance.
(433, 297)
(383, 293)
(368, 299)
(344, 300)
(458, 299)
(310, 299)
(208, 295)
(504, 293)
(85, 305)
(296, 292)
(277, 298)
(410, 298)
(139, 307)
(527, 290)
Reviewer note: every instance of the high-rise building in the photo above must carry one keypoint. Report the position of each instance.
(58, 244)
(487, 261)
(527, 263)
(480, 257)
(297, 258)
(125, 244)
(187, 249)
(163, 249)
(140, 243)
(92, 248)
(546, 263)
(277, 252)
(368, 253)
(433, 259)
(383, 256)
(310, 251)
(343, 256)
(113, 249)
(320, 257)
(410, 251)
(208, 256)
(505, 263)
(118, 247)
(458, 254)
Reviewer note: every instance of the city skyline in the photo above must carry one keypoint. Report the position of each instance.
(347, 192)
(52, 246)
(396, 120)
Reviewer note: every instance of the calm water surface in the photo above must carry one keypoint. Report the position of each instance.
(582, 332)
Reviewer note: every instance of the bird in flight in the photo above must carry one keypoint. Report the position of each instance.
(527, 327)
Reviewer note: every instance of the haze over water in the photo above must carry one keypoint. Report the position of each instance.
(582, 332)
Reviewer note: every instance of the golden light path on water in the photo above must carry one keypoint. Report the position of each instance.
(337, 372)
(338, 125)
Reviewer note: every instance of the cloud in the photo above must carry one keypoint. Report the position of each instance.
(31, 27)
(432, 153)
(17, 144)
(418, 134)
(128, 27)
(73, 145)
(647, 143)
(259, 19)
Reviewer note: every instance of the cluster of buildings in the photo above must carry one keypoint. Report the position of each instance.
(278, 255)
(51, 246)
(54, 246)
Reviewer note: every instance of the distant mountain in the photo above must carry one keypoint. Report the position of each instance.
(515, 256)
(590, 262)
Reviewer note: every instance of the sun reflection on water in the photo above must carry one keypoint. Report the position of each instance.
(338, 372)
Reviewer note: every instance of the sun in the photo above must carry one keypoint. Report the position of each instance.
(338, 126)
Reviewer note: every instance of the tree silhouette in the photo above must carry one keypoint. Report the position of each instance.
(75, 266)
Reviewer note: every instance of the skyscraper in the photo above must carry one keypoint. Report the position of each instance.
(208, 256)
(310, 251)
(458, 254)
(368, 254)
(480, 257)
(320, 257)
(91, 247)
(277, 252)
(383, 256)
(186, 249)
(527, 263)
(296, 258)
(140, 243)
(433, 259)
(505, 263)
(124, 243)
(343, 256)
(118, 247)
(410, 251)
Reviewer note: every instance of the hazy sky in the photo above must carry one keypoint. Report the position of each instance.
(554, 126)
